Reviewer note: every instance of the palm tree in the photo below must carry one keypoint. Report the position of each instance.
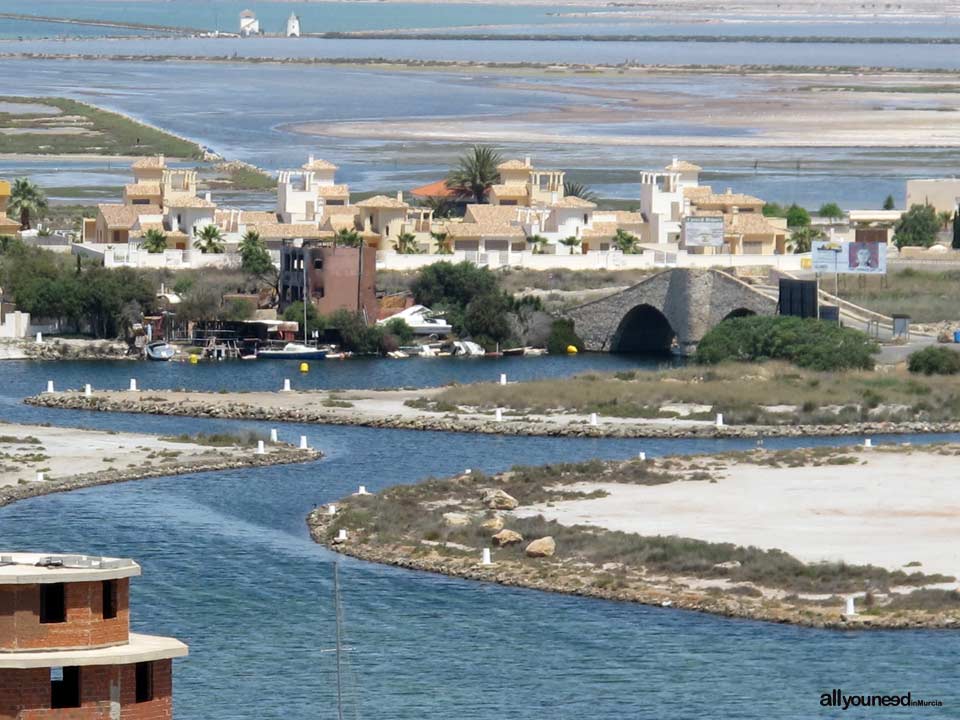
(28, 200)
(575, 189)
(406, 244)
(802, 238)
(571, 242)
(347, 237)
(626, 242)
(475, 173)
(154, 241)
(444, 246)
(441, 206)
(209, 240)
(945, 217)
(538, 242)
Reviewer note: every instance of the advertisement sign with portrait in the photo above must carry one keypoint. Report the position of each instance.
(849, 258)
(703, 231)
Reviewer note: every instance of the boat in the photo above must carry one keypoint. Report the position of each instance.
(534, 352)
(397, 355)
(292, 351)
(509, 352)
(160, 351)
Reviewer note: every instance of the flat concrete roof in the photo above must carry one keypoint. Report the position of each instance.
(38, 568)
(141, 648)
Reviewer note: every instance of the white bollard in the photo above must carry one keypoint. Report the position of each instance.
(593, 419)
(331, 510)
(49, 386)
(851, 609)
(868, 443)
(486, 556)
(133, 385)
(273, 435)
(303, 442)
(467, 471)
(719, 419)
(503, 378)
(87, 390)
(499, 415)
(641, 455)
(362, 490)
(261, 450)
(286, 385)
(39, 338)
(39, 477)
(342, 535)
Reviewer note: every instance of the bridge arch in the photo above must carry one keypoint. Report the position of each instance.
(739, 313)
(644, 329)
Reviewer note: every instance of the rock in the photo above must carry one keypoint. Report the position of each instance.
(508, 537)
(729, 565)
(498, 500)
(495, 523)
(544, 547)
(455, 519)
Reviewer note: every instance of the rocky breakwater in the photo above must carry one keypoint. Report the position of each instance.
(58, 349)
(277, 408)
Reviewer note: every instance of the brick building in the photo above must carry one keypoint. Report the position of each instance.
(66, 650)
(336, 277)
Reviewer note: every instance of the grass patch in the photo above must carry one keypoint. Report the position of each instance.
(247, 439)
(927, 296)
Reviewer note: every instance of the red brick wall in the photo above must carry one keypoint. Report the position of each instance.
(25, 694)
(21, 629)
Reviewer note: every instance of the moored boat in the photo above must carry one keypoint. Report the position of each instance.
(159, 351)
(292, 351)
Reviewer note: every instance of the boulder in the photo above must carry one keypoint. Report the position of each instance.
(507, 537)
(498, 500)
(543, 547)
(495, 523)
(455, 519)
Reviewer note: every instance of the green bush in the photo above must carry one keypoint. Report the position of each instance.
(810, 344)
(562, 335)
(934, 361)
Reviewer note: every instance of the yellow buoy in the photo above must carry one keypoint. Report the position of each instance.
(194, 359)
(572, 349)
(304, 367)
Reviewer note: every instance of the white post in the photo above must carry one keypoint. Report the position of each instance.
(342, 535)
(851, 609)
(362, 490)
(868, 443)
(593, 419)
(286, 385)
(331, 510)
(49, 386)
(503, 378)
(39, 338)
(467, 471)
(641, 455)
(133, 385)
(87, 390)
(499, 415)
(303, 442)
(39, 477)
(261, 450)
(486, 556)
(273, 435)
(719, 420)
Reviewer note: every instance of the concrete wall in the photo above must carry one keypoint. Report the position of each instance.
(944, 194)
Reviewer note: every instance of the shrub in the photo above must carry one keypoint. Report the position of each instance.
(934, 361)
(562, 335)
(807, 343)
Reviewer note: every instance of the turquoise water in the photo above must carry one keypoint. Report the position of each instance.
(229, 568)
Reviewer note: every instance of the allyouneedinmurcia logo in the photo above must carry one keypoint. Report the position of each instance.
(837, 699)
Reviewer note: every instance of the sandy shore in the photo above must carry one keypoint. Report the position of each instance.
(69, 458)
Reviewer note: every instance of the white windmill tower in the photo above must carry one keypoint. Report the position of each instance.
(249, 25)
(293, 25)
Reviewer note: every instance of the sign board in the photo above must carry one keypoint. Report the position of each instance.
(703, 231)
(849, 258)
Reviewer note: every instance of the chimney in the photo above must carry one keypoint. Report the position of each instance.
(676, 161)
(526, 161)
(208, 197)
(310, 159)
(399, 195)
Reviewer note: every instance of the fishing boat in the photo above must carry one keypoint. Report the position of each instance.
(292, 351)
(159, 351)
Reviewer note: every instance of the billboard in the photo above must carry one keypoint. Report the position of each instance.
(703, 231)
(849, 258)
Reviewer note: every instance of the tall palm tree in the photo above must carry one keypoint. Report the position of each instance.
(406, 244)
(28, 201)
(575, 189)
(441, 206)
(475, 172)
(154, 241)
(945, 217)
(571, 242)
(209, 240)
(802, 238)
(626, 242)
(444, 246)
(538, 242)
(347, 237)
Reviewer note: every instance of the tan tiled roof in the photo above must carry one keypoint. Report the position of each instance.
(290, 230)
(695, 193)
(187, 201)
(625, 217)
(601, 230)
(124, 217)
(509, 190)
(683, 166)
(727, 199)
(382, 201)
(326, 191)
(492, 213)
(571, 201)
(320, 165)
(472, 230)
(339, 222)
(513, 165)
(155, 162)
(249, 217)
(750, 224)
(142, 189)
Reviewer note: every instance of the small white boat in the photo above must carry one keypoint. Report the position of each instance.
(397, 355)
(160, 351)
(292, 351)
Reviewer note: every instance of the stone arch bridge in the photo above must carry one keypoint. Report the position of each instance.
(672, 309)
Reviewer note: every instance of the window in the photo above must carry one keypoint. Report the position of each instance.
(53, 603)
(65, 687)
(586, 219)
(318, 263)
(144, 671)
(109, 599)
